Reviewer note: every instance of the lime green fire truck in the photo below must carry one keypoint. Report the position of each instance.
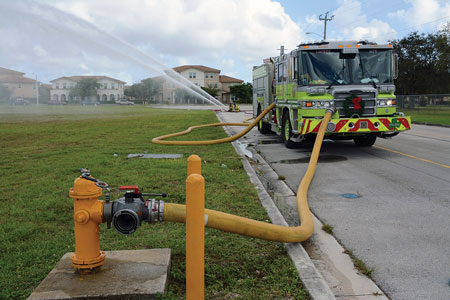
(356, 78)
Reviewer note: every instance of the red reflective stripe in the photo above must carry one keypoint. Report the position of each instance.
(386, 123)
(316, 129)
(405, 123)
(356, 127)
(371, 126)
(303, 126)
(340, 124)
(307, 128)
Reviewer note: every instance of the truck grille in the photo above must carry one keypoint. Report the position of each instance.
(369, 103)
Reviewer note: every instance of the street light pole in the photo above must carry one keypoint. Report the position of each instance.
(37, 89)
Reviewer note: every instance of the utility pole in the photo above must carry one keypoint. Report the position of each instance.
(325, 24)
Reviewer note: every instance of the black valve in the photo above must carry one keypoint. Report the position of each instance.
(128, 212)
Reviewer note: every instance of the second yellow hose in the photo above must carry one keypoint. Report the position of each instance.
(162, 139)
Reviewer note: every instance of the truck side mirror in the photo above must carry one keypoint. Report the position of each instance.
(395, 65)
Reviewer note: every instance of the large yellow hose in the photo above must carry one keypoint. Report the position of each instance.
(162, 139)
(249, 227)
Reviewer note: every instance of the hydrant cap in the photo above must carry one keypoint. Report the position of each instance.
(83, 188)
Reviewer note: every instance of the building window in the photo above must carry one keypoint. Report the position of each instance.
(112, 85)
(215, 85)
(57, 86)
(211, 75)
(20, 85)
(105, 86)
(206, 74)
(190, 75)
(64, 85)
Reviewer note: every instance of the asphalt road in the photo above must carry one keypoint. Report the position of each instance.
(399, 219)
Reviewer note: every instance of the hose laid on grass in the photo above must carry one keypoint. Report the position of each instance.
(244, 226)
(162, 139)
(258, 229)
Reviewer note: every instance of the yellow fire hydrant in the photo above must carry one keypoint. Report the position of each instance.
(88, 214)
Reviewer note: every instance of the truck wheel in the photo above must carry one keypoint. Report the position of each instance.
(286, 131)
(263, 127)
(365, 140)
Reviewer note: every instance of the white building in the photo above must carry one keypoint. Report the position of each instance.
(110, 89)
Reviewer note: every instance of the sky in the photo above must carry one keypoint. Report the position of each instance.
(136, 39)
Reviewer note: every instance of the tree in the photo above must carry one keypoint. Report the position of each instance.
(243, 91)
(85, 89)
(214, 92)
(424, 63)
(144, 91)
(5, 93)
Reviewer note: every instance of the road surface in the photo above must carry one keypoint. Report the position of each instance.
(390, 204)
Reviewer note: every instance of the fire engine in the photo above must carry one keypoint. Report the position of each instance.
(357, 78)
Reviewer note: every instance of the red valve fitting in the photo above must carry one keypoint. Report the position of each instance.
(130, 187)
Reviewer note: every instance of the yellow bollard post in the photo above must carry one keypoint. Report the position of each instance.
(195, 237)
(194, 165)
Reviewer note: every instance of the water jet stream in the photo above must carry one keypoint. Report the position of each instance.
(50, 18)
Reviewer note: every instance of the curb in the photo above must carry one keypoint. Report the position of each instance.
(429, 124)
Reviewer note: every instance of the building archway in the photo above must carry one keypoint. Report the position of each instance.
(55, 97)
(63, 97)
(111, 98)
(104, 98)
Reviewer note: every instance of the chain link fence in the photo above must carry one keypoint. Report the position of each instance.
(417, 101)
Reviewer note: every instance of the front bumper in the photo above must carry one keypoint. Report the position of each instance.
(357, 125)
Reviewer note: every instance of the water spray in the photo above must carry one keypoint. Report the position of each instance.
(45, 16)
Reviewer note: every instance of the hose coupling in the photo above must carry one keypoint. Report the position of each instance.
(331, 109)
(156, 211)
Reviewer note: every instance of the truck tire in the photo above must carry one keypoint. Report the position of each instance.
(263, 127)
(365, 140)
(286, 131)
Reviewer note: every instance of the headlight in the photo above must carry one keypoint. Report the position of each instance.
(386, 102)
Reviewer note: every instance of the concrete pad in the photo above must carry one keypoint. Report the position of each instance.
(126, 274)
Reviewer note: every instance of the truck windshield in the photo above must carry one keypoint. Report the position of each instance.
(325, 67)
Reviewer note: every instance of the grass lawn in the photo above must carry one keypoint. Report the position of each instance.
(41, 151)
(436, 115)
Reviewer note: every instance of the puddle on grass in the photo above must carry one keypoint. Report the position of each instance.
(322, 159)
(267, 142)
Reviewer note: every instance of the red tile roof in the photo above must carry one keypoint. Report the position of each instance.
(228, 79)
(15, 79)
(198, 67)
(78, 78)
(5, 71)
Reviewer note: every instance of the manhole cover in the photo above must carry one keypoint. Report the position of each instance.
(350, 196)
